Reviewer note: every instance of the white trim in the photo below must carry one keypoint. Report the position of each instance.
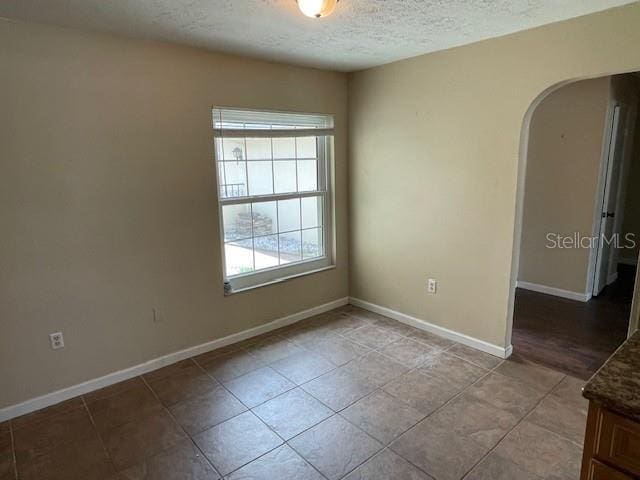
(53, 398)
(556, 292)
(502, 352)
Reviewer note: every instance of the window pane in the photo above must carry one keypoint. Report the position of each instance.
(288, 215)
(306, 147)
(290, 247)
(284, 147)
(233, 149)
(285, 176)
(233, 181)
(265, 219)
(312, 244)
(312, 212)
(307, 175)
(258, 149)
(266, 251)
(239, 257)
(236, 221)
(260, 178)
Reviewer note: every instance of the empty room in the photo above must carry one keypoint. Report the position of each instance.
(319, 240)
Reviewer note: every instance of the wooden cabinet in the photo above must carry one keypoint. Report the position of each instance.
(612, 446)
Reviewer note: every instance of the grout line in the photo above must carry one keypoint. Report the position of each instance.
(93, 423)
(13, 450)
(524, 417)
(189, 437)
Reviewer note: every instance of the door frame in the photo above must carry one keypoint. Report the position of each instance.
(599, 223)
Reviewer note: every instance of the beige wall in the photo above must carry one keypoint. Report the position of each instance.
(434, 166)
(627, 90)
(631, 222)
(108, 201)
(564, 159)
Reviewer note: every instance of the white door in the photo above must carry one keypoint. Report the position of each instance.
(606, 250)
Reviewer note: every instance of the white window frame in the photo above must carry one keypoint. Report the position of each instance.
(266, 276)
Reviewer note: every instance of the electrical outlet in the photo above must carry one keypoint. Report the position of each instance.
(156, 316)
(432, 285)
(57, 340)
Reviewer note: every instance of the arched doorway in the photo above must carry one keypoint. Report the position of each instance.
(575, 252)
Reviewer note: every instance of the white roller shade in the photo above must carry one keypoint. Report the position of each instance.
(229, 123)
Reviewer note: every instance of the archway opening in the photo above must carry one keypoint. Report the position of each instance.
(578, 224)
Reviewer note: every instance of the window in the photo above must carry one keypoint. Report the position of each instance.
(273, 189)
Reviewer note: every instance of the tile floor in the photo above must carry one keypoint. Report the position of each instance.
(347, 394)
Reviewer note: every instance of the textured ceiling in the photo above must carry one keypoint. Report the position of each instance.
(360, 34)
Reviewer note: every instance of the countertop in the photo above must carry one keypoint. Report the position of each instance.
(617, 384)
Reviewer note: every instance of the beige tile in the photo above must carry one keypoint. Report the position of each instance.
(555, 415)
(452, 368)
(114, 389)
(494, 467)
(536, 375)
(541, 452)
(273, 349)
(259, 386)
(307, 335)
(135, 441)
(394, 326)
(207, 410)
(335, 447)
(438, 450)
(338, 350)
(363, 314)
(5, 440)
(7, 469)
(125, 406)
(282, 464)
(339, 388)
(184, 461)
(81, 460)
(180, 382)
(376, 368)
(431, 339)
(342, 323)
(372, 336)
(230, 365)
(218, 352)
(236, 442)
(48, 413)
(292, 413)
(382, 416)
(474, 356)
(569, 392)
(481, 422)
(422, 392)
(386, 465)
(302, 366)
(409, 352)
(44, 435)
(506, 393)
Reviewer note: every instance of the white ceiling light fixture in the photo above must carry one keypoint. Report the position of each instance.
(317, 8)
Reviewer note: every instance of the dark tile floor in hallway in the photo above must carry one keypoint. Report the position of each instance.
(570, 336)
(347, 394)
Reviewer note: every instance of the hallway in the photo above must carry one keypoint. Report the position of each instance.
(573, 337)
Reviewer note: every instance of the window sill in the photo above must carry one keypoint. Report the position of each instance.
(279, 280)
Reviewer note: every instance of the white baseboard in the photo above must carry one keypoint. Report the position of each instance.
(556, 292)
(502, 352)
(53, 398)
